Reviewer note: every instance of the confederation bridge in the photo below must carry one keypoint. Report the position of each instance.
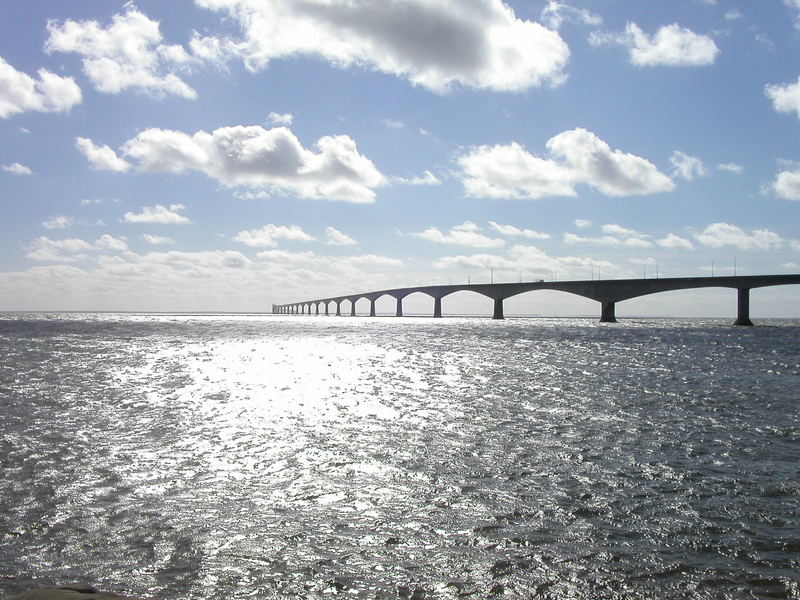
(605, 291)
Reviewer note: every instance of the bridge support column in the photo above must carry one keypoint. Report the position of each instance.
(743, 308)
(372, 308)
(317, 311)
(352, 308)
(327, 314)
(399, 312)
(498, 309)
(437, 308)
(339, 309)
(608, 312)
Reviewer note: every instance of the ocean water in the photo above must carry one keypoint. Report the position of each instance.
(246, 456)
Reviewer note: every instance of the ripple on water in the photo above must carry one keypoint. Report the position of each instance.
(202, 456)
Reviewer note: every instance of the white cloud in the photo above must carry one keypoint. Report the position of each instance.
(785, 97)
(375, 260)
(101, 158)
(511, 230)
(17, 169)
(280, 118)
(267, 236)
(393, 124)
(44, 249)
(674, 242)
(672, 46)
(158, 214)
(19, 92)
(208, 259)
(466, 234)
(787, 185)
(614, 229)
(433, 44)
(128, 54)
(685, 166)
(578, 156)
(157, 240)
(427, 178)
(608, 240)
(111, 244)
(273, 160)
(718, 235)
(730, 167)
(616, 235)
(733, 15)
(582, 223)
(337, 238)
(555, 14)
(58, 222)
(527, 260)
(795, 5)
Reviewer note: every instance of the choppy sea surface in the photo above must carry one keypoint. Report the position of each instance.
(245, 456)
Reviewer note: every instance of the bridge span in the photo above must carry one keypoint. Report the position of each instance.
(605, 291)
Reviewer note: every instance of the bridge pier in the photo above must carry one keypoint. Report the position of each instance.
(327, 314)
(317, 309)
(437, 308)
(743, 308)
(339, 308)
(352, 308)
(498, 309)
(371, 307)
(607, 312)
(399, 312)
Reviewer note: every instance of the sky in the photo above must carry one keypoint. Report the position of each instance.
(227, 155)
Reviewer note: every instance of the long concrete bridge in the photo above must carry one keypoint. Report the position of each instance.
(605, 291)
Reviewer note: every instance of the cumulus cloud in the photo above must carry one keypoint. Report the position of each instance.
(158, 214)
(555, 14)
(511, 230)
(111, 244)
(280, 118)
(267, 236)
(17, 169)
(58, 222)
(475, 43)
(207, 259)
(674, 242)
(577, 156)
(616, 235)
(582, 223)
(157, 240)
(672, 45)
(44, 249)
(427, 178)
(101, 158)
(328, 262)
(127, 54)
(685, 166)
(730, 167)
(718, 235)
(270, 160)
(785, 97)
(466, 234)
(524, 259)
(787, 184)
(51, 93)
(337, 238)
(608, 240)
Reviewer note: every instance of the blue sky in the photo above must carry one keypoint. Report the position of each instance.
(231, 154)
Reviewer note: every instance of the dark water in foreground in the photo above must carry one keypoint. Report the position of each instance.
(303, 457)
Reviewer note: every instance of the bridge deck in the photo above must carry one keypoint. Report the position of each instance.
(606, 291)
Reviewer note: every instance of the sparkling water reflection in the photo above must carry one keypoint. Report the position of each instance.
(248, 456)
